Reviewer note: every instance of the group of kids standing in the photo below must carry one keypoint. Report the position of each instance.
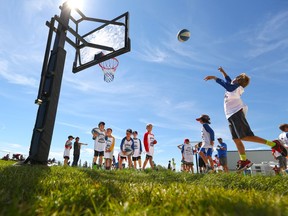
(235, 111)
(130, 147)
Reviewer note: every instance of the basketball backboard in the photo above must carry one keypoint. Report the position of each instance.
(107, 39)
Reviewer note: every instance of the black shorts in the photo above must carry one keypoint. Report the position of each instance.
(201, 162)
(239, 126)
(148, 156)
(98, 153)
(136, 158)
(123, 157)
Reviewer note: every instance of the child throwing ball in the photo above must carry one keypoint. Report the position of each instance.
(235, 111)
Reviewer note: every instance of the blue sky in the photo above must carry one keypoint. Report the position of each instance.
(160, 81)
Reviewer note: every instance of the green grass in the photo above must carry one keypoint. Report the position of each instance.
(45, 191)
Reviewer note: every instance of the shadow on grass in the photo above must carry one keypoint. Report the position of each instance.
(19, 186)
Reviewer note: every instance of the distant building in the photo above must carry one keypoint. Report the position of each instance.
(256, 156)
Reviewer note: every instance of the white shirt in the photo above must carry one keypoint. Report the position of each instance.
(126, 144)
(99, 142)
(233, 102)
(148, 143)
(68, 145)
(110, 142)
(187, 153)
(283, 138)
(136, 147)
(206, 139)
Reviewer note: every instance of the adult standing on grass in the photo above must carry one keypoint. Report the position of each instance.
(235, 111)
(149, 142)
(222, 154)
(68, 146)
(99, 143)
(76, 152)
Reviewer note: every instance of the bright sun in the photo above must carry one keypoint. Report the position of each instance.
(75, 4)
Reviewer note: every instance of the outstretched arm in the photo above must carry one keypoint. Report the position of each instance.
(222, 71)
(228, 79)
(226, 84)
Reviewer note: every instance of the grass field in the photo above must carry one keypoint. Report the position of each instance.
(45, 191)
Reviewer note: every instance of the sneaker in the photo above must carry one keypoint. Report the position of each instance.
(243, 165)
(280, 148)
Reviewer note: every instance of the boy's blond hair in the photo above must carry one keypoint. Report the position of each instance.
(243, 80)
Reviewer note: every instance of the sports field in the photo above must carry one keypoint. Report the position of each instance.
(74, 191)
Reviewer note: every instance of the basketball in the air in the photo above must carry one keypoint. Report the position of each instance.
(155, 142)
(183, 35)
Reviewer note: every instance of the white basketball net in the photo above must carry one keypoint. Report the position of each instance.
(109, 67)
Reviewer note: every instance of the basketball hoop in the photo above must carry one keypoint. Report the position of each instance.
(109, 67)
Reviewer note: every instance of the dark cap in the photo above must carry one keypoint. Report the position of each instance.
(219, 138)
(70, 137)
(109, 129)
(129, 131)
(135, 132)
(101, 123)
(283, 126)
(77, 138)
(204, 118)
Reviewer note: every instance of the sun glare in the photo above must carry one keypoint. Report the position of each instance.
(73, 4)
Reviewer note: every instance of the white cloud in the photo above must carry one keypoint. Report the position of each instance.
(269, 36)
(14, 77)
(13, 148)
(38, 6)
(152, 54)
(82, 128)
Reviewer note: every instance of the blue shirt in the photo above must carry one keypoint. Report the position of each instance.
(230, 87)
(222, 153)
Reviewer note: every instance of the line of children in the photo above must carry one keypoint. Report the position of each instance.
(130, 148)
